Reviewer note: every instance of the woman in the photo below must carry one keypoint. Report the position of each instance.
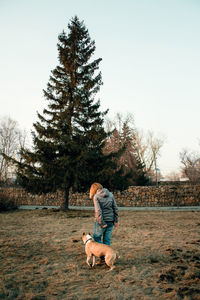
(106, 213)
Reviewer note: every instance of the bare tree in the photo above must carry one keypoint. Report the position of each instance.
(148, 147)
(173, 176)
(22, 139)
(118, 122)
(11, 139)
(191, 165)
(119, 127)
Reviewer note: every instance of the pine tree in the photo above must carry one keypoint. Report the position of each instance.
(129, 160)
(138, 174)
(69, 137)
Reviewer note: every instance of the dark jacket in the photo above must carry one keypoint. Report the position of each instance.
(106, 209)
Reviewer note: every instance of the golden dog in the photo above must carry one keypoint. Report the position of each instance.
(93, 249)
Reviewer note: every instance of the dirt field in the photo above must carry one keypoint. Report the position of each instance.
(42, 256)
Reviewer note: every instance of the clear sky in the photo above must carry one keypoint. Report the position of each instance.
(150, 68)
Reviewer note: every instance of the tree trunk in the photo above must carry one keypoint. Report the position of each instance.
(65, 204)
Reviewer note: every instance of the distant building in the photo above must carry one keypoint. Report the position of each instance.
(163, 179)
(184, 179)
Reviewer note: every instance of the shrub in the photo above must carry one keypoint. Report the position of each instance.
(6, 203)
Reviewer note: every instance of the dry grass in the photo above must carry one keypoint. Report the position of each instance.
(42, 256)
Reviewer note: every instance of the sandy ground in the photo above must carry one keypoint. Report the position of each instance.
(42, 256)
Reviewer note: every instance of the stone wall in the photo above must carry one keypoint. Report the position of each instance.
(150, 196)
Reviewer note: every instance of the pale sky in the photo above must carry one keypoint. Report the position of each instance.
(150, 67)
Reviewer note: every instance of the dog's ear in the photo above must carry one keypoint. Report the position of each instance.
(83, 233)
(89, 233)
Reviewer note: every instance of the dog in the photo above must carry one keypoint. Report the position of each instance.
(93, 249)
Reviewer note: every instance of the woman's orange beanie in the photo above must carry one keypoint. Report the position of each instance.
(93, 189)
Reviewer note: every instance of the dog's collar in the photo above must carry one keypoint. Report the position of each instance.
(88, 240)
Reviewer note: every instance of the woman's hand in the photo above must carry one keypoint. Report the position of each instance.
(104, 226)
(115, 224)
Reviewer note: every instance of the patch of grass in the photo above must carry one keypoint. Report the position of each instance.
(42, 256)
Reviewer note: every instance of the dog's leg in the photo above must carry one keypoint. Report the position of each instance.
(88, 261)
(93, 261)
(110, 260)
(111, 268)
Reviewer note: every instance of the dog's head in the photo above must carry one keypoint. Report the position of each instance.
(86, 237)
